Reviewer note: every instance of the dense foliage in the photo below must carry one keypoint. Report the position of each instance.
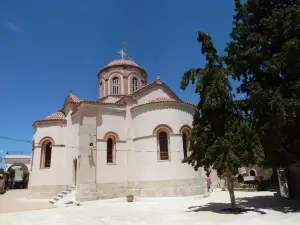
(264, 54)
(221, 137)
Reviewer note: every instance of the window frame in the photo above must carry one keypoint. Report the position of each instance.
(159, 152)
(185, 143)
(115, 86)
(101, 89)
(44, 164)
(113, 151)
(134, 83)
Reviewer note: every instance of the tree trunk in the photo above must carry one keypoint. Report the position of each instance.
(231, 191)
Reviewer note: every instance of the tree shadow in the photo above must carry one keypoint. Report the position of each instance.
(255, 204)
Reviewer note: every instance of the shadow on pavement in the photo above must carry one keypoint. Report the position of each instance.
(254, 204)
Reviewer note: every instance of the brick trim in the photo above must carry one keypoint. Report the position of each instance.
(111, 133)
(186, 128)
(162, 127)
(47, 138)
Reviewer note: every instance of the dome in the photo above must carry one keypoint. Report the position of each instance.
(119, 62)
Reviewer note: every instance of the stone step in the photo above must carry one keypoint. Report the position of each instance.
(61, 195)
(65, 192)
(56, 198)
(52, 201)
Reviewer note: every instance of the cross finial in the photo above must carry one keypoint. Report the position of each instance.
(158, 77)
(122, 52)
(70, 91)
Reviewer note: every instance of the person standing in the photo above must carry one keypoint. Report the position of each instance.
(208, 182)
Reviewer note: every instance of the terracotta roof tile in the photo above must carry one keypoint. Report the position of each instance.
(121, 62)
(163, 100)
(148, 85)
(56, 116)
(74, 98)
(118, 62)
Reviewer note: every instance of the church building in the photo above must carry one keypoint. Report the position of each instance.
(132, 140)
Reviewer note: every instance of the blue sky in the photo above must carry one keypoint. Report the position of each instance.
(49, 47)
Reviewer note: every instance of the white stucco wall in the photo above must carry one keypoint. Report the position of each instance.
(110, 120)
(147, 117)
(111, 99)
(56, 131)
(60, 171)
(144, 164)
(153, 93)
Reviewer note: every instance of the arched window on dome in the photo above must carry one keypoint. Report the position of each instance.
(101, 89)
(163, 145)
(46, 152)
(115, 86)
(134, 84)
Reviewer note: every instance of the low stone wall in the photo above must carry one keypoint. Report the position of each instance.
(45, 191)
(166, 188)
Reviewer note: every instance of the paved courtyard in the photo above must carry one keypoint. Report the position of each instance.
(15, 200)
(267, 209)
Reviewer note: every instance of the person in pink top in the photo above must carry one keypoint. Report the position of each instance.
(208, 182)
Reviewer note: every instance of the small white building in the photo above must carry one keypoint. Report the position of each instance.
(132, 140)
(11, 159)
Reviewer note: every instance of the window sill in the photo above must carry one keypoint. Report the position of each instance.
(45, 168)
(111, 163)
(165, 160)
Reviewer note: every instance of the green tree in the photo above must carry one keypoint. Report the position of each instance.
(221, 137)
(264, 54)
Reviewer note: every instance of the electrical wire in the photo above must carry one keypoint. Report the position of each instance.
(88, 148)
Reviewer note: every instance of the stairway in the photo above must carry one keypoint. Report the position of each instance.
(65, 197)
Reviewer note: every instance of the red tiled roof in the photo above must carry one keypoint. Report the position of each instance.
(56, 116)
(147, 86)
(121, 62)
(74, 98)
(163, 100)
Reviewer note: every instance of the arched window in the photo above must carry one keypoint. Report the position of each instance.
(134, 84)
(101, 89)
(163, 145)
(185, 131)
(185, 144)
(110, 151)
(115, 86)
(252, 173)
(46, 155)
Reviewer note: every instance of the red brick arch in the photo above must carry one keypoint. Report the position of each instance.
(111, 134)
(164, 127)
(46, 138)
(185, 128)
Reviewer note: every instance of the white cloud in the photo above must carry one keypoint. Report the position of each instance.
(12, 27)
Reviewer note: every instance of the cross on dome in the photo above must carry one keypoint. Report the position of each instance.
(122, 52)
(158, 77)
